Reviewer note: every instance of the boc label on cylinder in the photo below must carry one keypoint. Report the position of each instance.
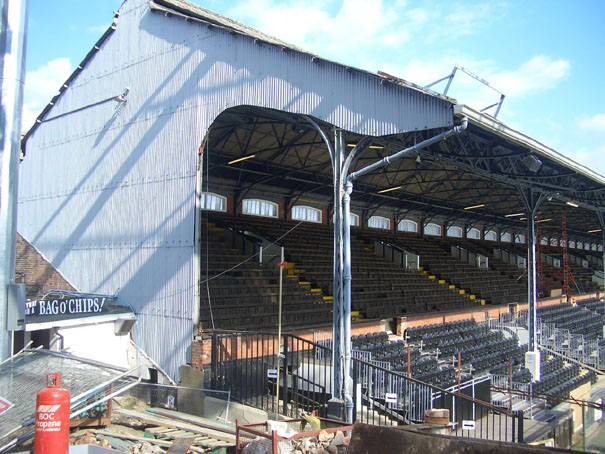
(46, 420)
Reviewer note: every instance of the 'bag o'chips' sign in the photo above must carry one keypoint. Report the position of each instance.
(72, 305)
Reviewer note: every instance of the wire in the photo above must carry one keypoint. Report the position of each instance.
(249, 258)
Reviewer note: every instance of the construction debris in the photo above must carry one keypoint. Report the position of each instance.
(323, 443)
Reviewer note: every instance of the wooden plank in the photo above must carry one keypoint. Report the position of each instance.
(192, 419)
(157, 430)
(180, 446)
(211, 444)
(174, 424)
(180, 433)
(165, 444)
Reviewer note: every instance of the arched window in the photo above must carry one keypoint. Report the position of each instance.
(562, 243)
(490, 236)
(379, 222)
(554, 241)
(454, 231)
(579, 245)
(257, 207)
(572, 244)
(506, 237)
(406, 225)
(593, 246)
(520, 238)
(473, 233)
(353, 219)
(544, 241)
(214, 202)
(306, 213)
(600, 248)
(432, 229)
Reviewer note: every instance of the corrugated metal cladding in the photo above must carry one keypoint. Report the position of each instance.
(107, 191)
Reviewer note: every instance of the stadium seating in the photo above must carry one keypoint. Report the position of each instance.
(247, 296)
(379, 289)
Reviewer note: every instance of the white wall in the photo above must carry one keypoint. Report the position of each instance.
(97, 342)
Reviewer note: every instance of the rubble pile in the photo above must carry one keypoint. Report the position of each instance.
(323, 443)
(131, 447)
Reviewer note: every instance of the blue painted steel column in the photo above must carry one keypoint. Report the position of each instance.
(601, 215)
(337, 158)
(14, 24)
(338, 328)
(532, 284)
(532, 201)
(348, 393)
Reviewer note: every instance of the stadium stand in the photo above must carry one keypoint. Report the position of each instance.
(380, 289)
(247, 297)
(436, 258)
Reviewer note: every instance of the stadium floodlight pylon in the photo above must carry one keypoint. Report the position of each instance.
(561, 276)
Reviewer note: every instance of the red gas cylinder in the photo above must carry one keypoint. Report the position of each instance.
(52, 418)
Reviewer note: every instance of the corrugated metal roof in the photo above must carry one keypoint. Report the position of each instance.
(191, 10)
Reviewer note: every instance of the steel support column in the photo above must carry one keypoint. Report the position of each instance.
(532, 281)
(13, 17)
(601, 215)
(532, 201)
(346, 248)
(343, 187)
(338, 330)
(337, 158)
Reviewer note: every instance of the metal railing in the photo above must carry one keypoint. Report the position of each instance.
(562, 341)
(519, 396)
(245, 364)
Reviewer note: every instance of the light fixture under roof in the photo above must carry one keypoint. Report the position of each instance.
(532, 163)
(595, 231)
(241, 159)
(389, 189)
(571, 204)
(512, 215)
(475, 206)
(543, 220)
(373, 147)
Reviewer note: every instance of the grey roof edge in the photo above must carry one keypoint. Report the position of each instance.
(489, 123)
(188, 9)
(95, 48)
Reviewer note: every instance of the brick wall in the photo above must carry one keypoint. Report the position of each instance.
(201, 351)
(39, 275)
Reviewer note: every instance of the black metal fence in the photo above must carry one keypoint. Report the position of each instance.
(246, 364)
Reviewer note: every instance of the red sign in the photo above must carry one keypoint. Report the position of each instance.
(4, 405)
